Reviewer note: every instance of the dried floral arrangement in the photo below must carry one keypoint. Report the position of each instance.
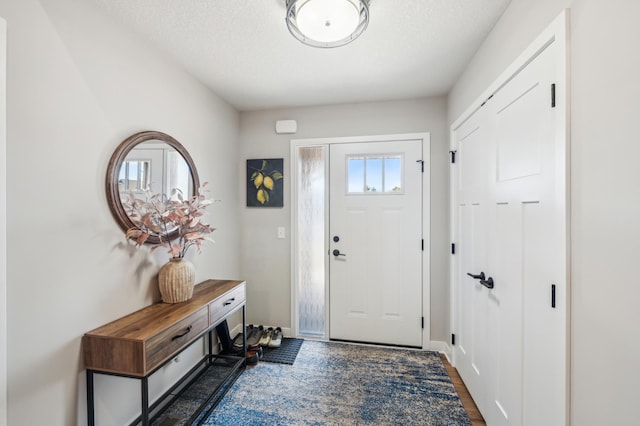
(162, 216)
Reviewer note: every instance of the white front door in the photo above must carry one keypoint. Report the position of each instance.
(375, 242)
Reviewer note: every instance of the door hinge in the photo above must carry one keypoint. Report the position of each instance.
(453, 339)
(453, 156)
(553, 95)
(421, 165)
(487, 100)
(422, 244)
(422, 322)
(453, 248)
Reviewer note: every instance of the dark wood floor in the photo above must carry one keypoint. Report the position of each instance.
(467, 402)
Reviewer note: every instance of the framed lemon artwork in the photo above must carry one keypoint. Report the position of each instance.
(265, 183)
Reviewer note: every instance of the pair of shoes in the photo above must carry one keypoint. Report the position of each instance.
(271, 337)
(266, 337)
(276, 338)
(253, 336)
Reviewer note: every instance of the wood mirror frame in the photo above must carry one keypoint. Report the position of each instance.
(113, 171)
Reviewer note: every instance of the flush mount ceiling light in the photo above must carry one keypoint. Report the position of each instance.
(327, 23)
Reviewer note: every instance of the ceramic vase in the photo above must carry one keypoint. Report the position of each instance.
(176, 280)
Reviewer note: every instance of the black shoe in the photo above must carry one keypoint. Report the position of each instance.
(253, 336)
(252, 358)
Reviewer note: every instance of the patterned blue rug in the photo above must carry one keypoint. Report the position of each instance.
(335, 383)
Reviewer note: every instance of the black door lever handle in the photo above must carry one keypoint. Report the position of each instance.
(337, 253)
(488, 283)
(477, 277)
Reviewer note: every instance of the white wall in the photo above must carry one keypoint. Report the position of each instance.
(77, 86)
(3, 224)
(605, 217)
(266, 260)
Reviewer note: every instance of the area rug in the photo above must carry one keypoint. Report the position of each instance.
(342, 384)
(285, 354)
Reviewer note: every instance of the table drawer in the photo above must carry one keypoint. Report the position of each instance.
(220, 308)
(171, 340)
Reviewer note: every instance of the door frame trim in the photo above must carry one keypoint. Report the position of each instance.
(425, 137)
(3, 223)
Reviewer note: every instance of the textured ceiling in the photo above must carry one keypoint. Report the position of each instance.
(243, 51)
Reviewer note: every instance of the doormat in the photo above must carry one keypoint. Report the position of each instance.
(285, 354)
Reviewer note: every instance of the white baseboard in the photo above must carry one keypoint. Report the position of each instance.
(442, 347)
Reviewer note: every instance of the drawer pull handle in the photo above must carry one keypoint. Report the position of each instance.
(228, 302)
(187, 331)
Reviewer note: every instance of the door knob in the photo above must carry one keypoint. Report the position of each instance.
(488, 283)
(477, 277)
(337, 253)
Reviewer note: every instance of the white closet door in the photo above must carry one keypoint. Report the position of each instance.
(530, 165)
(471, 209)
(511, 347)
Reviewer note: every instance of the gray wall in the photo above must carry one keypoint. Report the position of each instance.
(266, 261)
(78, 86)
(3, 225)
(605, 216)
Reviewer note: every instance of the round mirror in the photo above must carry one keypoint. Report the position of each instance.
(151, 161)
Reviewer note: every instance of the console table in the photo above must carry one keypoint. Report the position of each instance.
(140, 343)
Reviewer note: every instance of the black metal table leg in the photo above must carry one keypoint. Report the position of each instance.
(210, 345)
(144, 388)
(244, 333)
(90, 406)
